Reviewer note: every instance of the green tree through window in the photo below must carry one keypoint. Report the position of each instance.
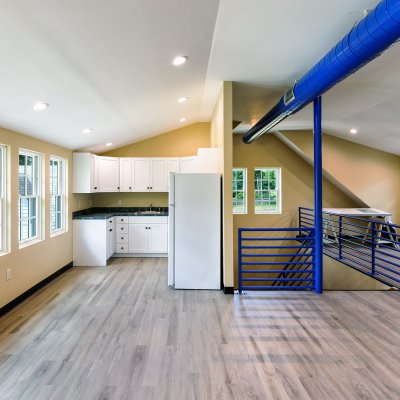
(267, 191)
(239, 190)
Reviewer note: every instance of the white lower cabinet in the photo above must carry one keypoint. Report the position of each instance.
(93, 242)
(142, 235)
(138, 238)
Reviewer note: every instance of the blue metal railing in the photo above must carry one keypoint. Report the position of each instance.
(369, 245)
(276, 258)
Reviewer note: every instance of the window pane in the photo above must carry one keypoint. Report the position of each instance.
(266, 195)
(32, 227)
(32, 207)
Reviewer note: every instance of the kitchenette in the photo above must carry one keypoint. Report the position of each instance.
(180, 231)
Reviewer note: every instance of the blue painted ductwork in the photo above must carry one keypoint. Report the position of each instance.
(367, 40)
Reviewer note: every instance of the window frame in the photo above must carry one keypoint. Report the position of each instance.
(244, 191)
(278, 190)
(37, 193)
(3, 198)
(61, 192)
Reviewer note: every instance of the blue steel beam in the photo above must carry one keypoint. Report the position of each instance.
(367, 40)
(318, 194)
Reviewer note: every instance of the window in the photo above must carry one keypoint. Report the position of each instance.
(57, 194)
(239, 190)
(29, 200)
(267, 191)
(3, 207)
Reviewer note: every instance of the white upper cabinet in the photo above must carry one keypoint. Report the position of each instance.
(108, 174)
(141, 174)
(125, 175)
(158, 175)
(85, 173)
(93, 173)
(188, 165)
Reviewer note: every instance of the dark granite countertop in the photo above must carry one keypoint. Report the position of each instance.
(109, 212)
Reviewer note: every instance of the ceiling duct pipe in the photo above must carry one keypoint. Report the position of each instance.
(367, 40)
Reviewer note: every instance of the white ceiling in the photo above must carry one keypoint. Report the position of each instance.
(106, 65)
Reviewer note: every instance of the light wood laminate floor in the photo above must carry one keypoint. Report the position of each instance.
(120, 333)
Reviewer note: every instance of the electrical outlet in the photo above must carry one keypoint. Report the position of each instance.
(119, 202)
(8, 274)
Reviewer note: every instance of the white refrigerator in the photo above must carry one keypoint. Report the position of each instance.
(194, 248)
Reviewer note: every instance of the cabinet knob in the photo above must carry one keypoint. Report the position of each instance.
(122, 248)
(130, 187)
(95, 187)
(118, 187)
(110, 230)
(122, 229)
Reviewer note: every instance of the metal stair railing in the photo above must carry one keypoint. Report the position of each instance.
(369, 245)
(263, 255)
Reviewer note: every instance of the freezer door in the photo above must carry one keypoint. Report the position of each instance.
(197, 231)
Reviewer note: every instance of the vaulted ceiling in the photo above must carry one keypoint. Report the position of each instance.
(106, 65)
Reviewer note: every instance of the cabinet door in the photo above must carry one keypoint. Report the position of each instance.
(125, 175)
(172, 166)
(108, 174)
(138, 238)
(141, 174)
(188, 165)
(158, 175)
(110, 241)
(158, 238)
(94, 172)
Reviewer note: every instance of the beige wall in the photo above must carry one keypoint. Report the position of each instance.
(221, 137)
(35, 262)
(372, 175)
(178, 143)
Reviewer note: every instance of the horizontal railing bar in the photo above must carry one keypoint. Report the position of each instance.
(277, 247)
(282, 271)
(273, 229)
(278, 279)
(384, 267)
(275, 263)
(386, 275)
(277, 287)
(387, 261)
(388, 254)
(278, 255)
(278, 238)
(363, 270)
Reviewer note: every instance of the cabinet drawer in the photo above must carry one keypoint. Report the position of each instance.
(122, 228)
(122, 220)
(121, 248)
(122, 238)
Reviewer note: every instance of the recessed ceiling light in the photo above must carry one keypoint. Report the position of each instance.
(40, 106)
(108, 144)
(182, 119)
(182, 99)
(87, 130)
(353, 131)
(179, 60)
